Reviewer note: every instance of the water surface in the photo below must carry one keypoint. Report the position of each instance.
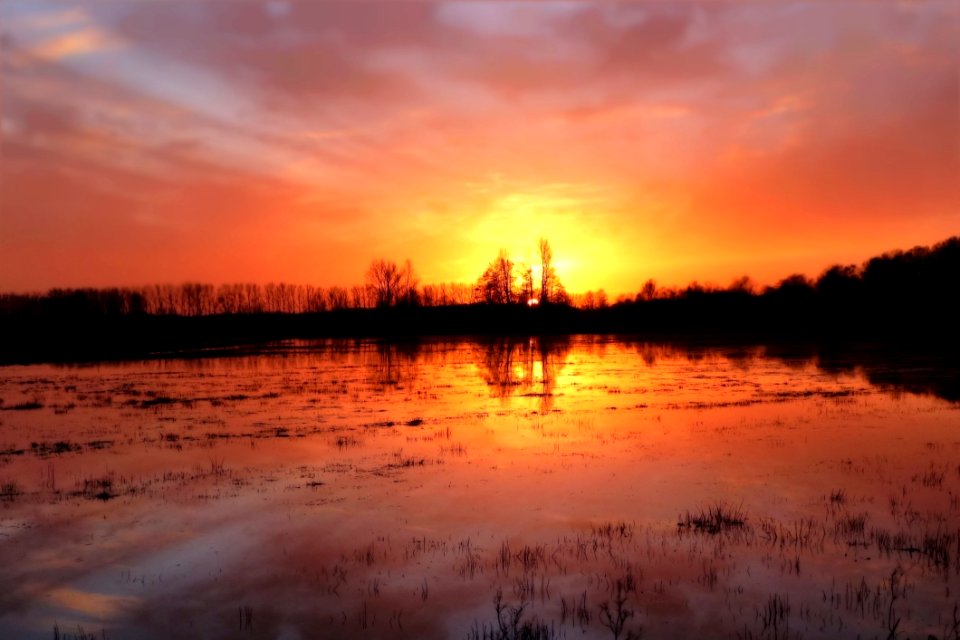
(588, 487)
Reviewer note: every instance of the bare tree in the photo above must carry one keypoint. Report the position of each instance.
(496, 285)
(547, 272)
(649, 290)
(504, 267)
(361, 296)
(253, 298)
(601, 299)
(384, 278)
(456, 293)
(316, 299)
(526, 283)
(409, 282)
(337, 298)
(551, 289)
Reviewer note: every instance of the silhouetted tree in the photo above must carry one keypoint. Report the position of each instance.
(505, 276)
(526, 284)
(743, 284)
(408, 294)
(454, 293)
(316, 300)
(795, 286)
(446, 293)
(337, 298)
(591, 300)
(384, 279)
(648, 291)
(552, 290)
(547, 272)
(362, 297)
(496, 285)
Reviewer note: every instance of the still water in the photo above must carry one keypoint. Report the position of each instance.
(580, 487)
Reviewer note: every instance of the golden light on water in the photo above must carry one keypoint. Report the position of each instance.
(337, 470)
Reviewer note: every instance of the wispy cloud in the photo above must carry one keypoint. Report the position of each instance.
(85, 41)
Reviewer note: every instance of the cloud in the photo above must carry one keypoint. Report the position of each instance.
(359, 129)
(518, 19)
(301, 55)
(41, 20)
(77, 43)
(55, 34)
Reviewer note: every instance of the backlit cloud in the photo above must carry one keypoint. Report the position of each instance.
(262, 141)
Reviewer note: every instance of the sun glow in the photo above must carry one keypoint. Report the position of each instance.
(415, 139)
(571, 217)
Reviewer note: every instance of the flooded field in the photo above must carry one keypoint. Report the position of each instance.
(563, 488)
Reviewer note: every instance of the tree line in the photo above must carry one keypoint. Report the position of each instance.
(196, 299)
(888, 287)
(904, 293)
(386, 284)
(921, 273)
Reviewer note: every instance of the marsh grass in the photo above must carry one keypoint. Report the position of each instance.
(510, 624)
(851, 525)
(714, 519)
(103, 488)
(245, 615)
(12, 451)
(806, 534)
(345, 442)
(838, 497)
(10, 491)
(30, 405)
(455, 449)
(938, 547)
(951, 628)
(408, 462)
(62, 409)
(217, 468)
(45, 449)
(930, 478)
(157, 401)
(78, 634)
(576, 610)
(614, 530)
(775, 616)
(615, 613)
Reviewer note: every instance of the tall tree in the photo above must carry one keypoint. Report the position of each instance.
(548, 275)
(526, 284)
(505, 276)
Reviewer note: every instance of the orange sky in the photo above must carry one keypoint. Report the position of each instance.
(237, 141)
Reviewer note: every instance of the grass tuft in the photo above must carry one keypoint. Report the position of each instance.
(714, 519)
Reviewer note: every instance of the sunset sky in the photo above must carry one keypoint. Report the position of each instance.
(147, 142)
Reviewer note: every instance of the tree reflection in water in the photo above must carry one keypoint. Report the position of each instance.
(523, 366)
(395, 363)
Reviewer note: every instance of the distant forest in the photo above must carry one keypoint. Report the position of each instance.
(903, 294)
